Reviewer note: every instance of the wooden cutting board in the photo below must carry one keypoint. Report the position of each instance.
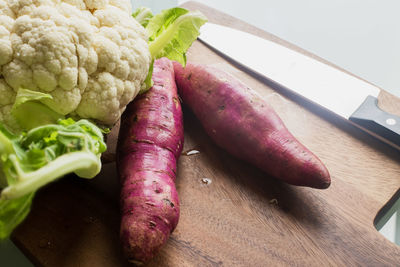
(231, 213)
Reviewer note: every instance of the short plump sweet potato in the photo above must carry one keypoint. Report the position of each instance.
(149, 144)
(242, 123)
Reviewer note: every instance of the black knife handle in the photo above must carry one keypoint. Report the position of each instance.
(377, 121)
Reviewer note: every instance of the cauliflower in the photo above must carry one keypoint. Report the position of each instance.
(91, 56)
(63, 62)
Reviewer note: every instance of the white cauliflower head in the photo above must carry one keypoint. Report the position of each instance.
(90, 56)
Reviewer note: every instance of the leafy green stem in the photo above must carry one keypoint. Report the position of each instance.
(12, 213)
(143, 15)
(168, 35)
(85, 164)
(6, 146)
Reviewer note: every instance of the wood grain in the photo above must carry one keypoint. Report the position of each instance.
(243, 217)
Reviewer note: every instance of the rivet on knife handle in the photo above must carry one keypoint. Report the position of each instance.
(377, 121)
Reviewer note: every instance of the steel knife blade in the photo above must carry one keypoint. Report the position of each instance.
(348, 96)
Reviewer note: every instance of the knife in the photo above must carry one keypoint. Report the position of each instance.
(344, 94)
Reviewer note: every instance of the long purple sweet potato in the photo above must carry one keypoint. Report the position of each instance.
(149, 144)
(242, 123)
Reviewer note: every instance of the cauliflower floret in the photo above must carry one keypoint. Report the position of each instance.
(90, 56)
(7, 100)
(44, 46)
(7, 94)
(95, 4)
(6, 23)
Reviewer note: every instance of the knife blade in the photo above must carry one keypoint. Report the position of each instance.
(346, 95)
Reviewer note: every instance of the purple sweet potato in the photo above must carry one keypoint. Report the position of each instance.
(241, 122)
(149, 144)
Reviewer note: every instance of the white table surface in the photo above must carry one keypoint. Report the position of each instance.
(361, 36)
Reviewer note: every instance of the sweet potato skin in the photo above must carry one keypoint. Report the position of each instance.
(149, 144)
(241, 122)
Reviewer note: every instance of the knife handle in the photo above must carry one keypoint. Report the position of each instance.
(370, 117)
